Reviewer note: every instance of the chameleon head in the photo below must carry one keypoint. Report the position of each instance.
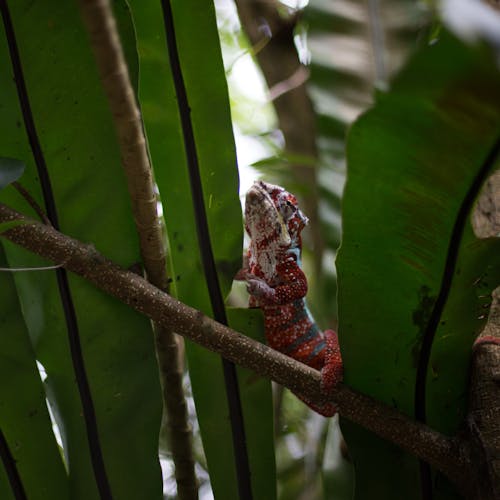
(274, 222)
(282, 202)
(263, 221)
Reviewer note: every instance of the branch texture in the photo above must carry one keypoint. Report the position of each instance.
(484, 417)
(484, 390)
(448, 455)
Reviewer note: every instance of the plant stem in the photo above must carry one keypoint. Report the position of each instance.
(101, 26)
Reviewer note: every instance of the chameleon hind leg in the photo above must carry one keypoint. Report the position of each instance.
(332, 371)
(331, 374)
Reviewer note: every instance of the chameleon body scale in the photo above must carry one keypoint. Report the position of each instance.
(278, 285)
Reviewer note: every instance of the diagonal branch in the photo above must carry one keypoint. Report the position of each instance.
(103, 33)
(449, 455)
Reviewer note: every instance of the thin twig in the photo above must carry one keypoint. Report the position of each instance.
(32, 202)
(28, 269)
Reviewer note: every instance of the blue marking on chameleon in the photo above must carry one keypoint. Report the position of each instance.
(301, 313)
(317, 350)
(295, 251)
(311, 333)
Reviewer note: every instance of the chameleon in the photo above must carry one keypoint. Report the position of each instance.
(278, 286)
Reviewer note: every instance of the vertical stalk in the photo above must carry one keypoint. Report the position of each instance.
(103, 33)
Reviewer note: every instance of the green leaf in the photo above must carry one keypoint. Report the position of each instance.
(352, 49)
(284, 159)
(477, 273)
(24, 418)
(78, 142)
(10, 170)
(203, 75)
(257, 402)
(417, 158)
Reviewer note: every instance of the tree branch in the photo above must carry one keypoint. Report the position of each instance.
(484, 416)
(105, 41)
(484, 390)
(449, 455)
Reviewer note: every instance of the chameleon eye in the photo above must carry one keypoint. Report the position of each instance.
(288, 210)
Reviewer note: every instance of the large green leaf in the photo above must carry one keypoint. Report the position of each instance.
(415, 163)
(477, 272)
(78, 142)
(256, 397)
(203, 75)
(353, 48)
(24, 419)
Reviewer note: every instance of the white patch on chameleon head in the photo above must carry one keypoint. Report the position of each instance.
(267, 230)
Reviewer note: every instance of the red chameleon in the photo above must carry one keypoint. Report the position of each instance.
(277, 284)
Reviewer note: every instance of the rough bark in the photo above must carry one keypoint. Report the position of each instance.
(105, 41)
(484, 390)
(486, 216)
(484, 407)
(449, 455)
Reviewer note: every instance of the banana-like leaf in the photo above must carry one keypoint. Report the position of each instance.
(353, 46)
(256, 398)
(413, 280)
(204, 79)
(24, 418)
(79, 145)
